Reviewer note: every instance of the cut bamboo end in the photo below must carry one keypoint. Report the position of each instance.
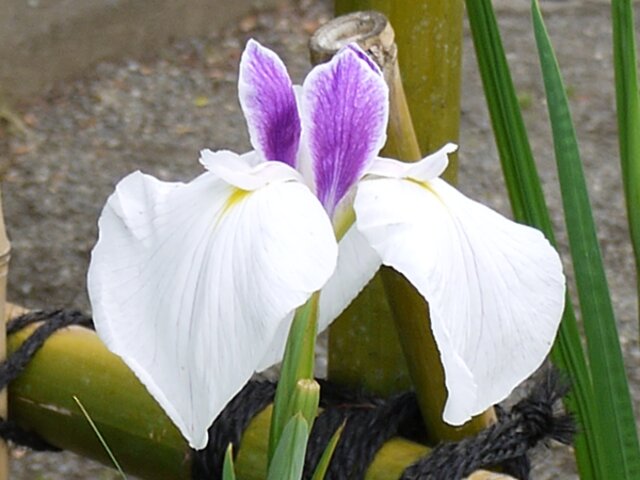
(374, 34)
(371, 30)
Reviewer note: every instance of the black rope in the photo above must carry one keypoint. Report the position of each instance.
(507, 442)
(369, 422)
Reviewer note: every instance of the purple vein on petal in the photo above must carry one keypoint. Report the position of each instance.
(345, 114)
(269, 104)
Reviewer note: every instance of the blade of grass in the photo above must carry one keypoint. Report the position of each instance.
(100, 437)
(325, 459)
(618, 432)
(228, 470)
(628, 108)
(527, 201)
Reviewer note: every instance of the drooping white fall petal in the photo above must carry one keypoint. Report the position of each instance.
(357, 264)
(495, 288)
(189, 282)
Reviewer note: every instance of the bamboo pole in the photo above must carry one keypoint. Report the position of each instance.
(364, 348)
(5, 254)
(73, 362)
(347, 352)
(429, 37)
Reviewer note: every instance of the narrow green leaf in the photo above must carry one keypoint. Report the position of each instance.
(298, 362)
(100, 437)
(618, 430)
(325, 459)
(527, 201)
(228, 470)
(288, 459)
(628, 109)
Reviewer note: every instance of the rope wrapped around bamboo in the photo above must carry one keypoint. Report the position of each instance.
(49, 368)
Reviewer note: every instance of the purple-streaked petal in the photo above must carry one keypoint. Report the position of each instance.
(345, 111)
(269, 104)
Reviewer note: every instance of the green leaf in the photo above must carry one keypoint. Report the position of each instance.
(628, 109)
(325, 459)
(288, 459)
(228, 470)
(297, 364)
(527, 201)
(617, 423)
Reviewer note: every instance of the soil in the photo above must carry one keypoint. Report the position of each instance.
(155, 114)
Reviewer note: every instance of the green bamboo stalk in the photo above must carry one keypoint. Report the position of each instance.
(364, 349)
(429, 38)
(5, 255)
(74, 362)
(347, 352)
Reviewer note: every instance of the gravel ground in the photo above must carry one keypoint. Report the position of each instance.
(156, 113)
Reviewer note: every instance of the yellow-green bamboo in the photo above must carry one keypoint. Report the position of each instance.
(5, 253)
(410, 312)
(429, 38)
(364, 350)
(73, 362)
(391, 460)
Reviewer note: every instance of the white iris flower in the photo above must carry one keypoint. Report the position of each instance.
(194, 284)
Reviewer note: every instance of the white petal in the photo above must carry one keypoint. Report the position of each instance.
(357, 264)
(246, 171)
(495, 288)
(189, 282)
(428, 168)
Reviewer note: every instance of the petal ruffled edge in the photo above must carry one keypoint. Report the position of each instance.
(246, 172)
(431, 166)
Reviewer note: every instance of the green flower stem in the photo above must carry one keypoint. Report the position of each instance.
(297, 364)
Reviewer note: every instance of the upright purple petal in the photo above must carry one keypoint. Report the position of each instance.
(269, 104)
(345, 109)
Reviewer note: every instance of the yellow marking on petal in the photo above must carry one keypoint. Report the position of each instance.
(427, 186)
(234, 199)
